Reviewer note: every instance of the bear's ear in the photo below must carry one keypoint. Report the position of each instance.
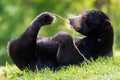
(106, 23)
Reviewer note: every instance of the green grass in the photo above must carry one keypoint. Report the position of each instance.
(101, 69)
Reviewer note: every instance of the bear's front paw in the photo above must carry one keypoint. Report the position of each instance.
(45, 18)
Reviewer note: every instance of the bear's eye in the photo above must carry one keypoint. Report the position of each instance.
(83, 17)
(46, 16)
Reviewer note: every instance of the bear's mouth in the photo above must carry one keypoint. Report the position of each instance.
(75, 23)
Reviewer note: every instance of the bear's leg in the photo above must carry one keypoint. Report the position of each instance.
(22, 49)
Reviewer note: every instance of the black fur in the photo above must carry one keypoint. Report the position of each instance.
(67, 53)
(28, 51)
(96, 26)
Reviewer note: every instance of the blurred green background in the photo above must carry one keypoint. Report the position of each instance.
(16, 15)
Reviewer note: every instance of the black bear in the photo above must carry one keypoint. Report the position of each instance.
(28, 51)
(97, 28)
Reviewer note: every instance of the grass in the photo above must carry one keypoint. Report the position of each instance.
(101, 69)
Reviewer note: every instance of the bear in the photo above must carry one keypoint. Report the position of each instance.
(95, 25)
(29, 51)
(32, 52)
(98, 41)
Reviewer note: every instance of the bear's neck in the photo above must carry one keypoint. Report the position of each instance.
(105, 35)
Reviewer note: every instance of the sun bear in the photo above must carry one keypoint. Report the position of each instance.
(32, 52)
(98, 31)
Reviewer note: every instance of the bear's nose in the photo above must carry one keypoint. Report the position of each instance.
(71, 20)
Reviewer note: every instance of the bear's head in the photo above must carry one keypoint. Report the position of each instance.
(90, 23)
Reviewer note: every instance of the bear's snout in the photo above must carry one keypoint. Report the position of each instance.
(71, 21)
